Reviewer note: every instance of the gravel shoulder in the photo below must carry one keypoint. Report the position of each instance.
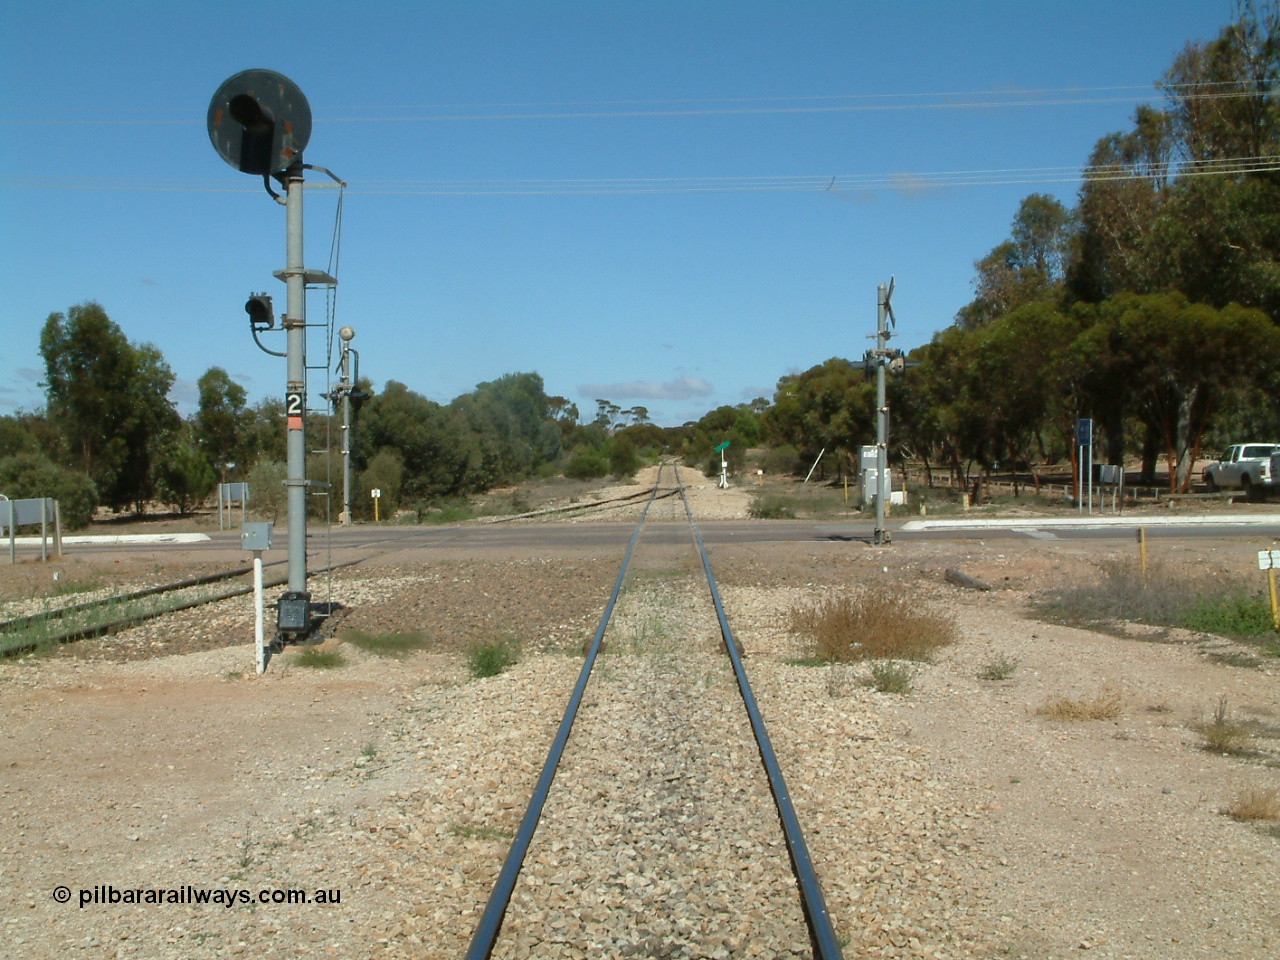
(954, 822)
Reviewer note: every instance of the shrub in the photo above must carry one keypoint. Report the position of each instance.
(184, 477)
(587, 465)
(882, 623)
(781, 461)
(490, 659)
(267, 494)
(623, 459)
(385, 473)
(33, 475)
(771, 507)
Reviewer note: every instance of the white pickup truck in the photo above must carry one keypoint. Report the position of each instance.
(1249, 466)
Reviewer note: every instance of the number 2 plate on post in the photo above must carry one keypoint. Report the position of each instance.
(293, 410)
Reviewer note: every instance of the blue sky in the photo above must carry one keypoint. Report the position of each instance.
(634, 200)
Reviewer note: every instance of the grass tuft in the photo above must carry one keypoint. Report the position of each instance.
(1232, 615)
(398, 645)
(318, 659)
(491, 658)
(1120, 595)
(886, 623)
(62, 588)
(770, 506)
(1253, 803)
(1107, 705)
(466, 831)
(1002, 668)
(1165, 600)
(889, 677)
(1222, 734)
(839, 680)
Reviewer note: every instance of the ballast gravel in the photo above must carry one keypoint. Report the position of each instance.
(950, 823)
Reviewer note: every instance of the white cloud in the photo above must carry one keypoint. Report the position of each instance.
(682, 388)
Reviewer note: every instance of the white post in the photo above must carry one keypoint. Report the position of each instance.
(57, 528)
(1091, 479)
(815, 465)
(1080, 479)
(258, 613)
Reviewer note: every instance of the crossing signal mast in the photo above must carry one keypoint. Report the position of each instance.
(883, 360)
(260, 122)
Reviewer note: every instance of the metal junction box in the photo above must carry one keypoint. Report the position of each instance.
(293, 612)
(255, 536)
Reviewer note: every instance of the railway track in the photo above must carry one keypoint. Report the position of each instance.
(106, 615)
(687, 846)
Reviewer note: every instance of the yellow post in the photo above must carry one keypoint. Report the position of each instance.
(1142, 549)
(1275, 607)
(375, 509)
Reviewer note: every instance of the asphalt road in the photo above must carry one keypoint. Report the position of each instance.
(528, 536)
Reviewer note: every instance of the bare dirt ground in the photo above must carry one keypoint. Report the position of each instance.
(956, 821)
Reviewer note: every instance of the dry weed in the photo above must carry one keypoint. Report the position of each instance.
(1107, 705)
(1253, 803)
(882, 624)
(1222, 734)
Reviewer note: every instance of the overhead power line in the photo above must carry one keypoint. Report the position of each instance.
(726, 106)
(840, 183)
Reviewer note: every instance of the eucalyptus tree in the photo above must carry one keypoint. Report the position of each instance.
(108, 399)
(222, 419)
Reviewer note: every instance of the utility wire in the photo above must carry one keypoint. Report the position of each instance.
(840, 183)
(739, 106)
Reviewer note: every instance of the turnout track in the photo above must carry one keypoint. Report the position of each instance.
(688, 845)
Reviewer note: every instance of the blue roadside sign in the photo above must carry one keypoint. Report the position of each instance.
(1084, 433)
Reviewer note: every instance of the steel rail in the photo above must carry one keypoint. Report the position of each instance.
(20, 622)
(133, 620)
(594, 505)
(822, 934)
(486, 935)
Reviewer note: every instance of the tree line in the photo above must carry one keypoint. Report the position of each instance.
(110, 435)
(1151, 307)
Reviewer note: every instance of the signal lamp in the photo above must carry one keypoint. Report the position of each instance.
(261, 315)
(259, 122)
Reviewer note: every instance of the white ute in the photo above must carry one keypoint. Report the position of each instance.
(1249, 466)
